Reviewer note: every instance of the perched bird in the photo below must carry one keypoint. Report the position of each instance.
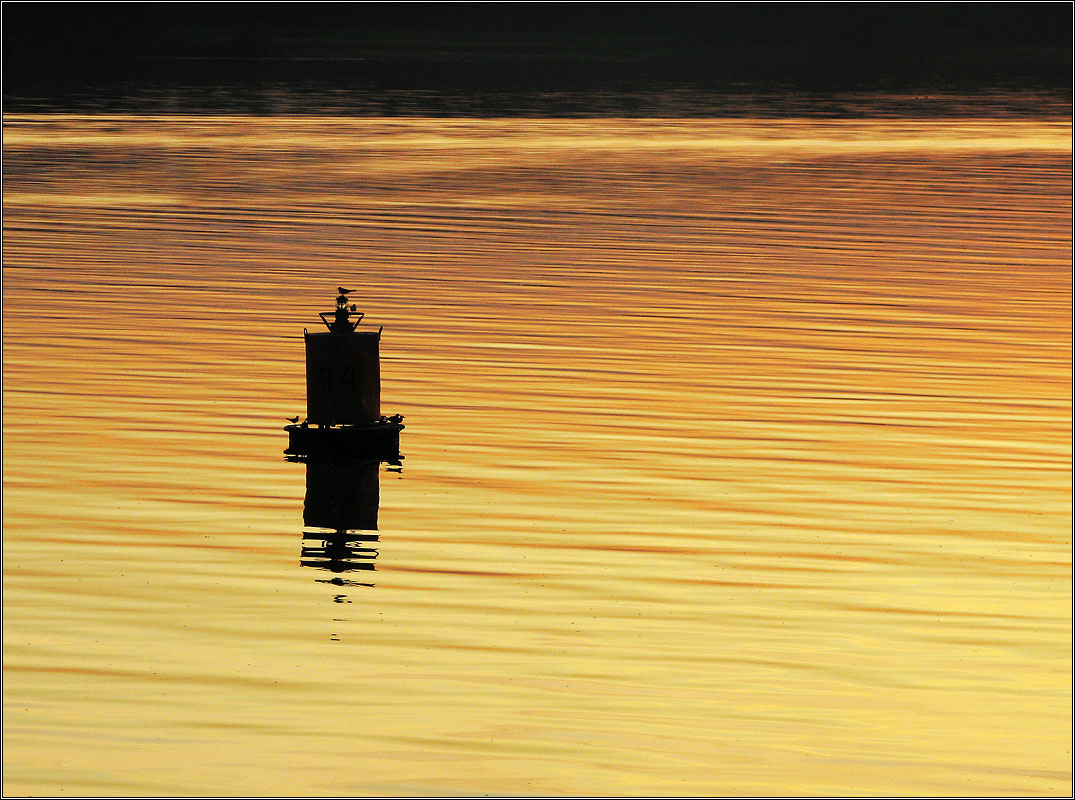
(292, 419)
(341, 290)
(396, 418)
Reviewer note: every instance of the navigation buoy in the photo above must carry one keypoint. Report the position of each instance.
(343, 392)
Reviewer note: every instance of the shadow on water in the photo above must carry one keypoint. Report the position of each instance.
(340, 516)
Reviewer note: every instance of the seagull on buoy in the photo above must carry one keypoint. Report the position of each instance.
(396, 418)
(292, 419)
(341, 290)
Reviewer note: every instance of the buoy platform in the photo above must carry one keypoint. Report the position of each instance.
(375, 440)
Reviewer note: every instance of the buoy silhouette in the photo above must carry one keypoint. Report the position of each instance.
(343, 392)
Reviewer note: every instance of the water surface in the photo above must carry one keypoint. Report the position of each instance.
(737, 461)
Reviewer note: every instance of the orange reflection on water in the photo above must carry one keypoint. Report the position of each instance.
(738, 456)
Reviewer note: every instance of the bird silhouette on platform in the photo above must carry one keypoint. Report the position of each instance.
(396, 418)
(292, 419)
(341, 290)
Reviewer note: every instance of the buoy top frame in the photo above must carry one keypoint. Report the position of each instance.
(341, 317)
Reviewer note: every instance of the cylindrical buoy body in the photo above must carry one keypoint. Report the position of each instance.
(343, 378)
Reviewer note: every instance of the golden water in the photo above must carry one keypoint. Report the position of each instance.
(738, 456)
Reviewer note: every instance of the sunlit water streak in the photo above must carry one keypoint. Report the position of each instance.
(738, 456)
